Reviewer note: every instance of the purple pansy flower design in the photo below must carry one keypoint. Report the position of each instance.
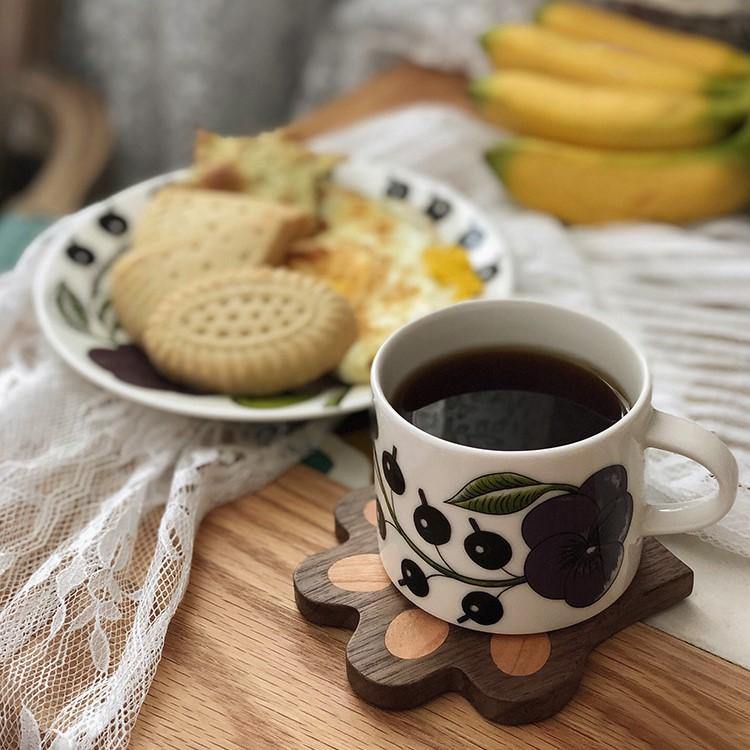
(575, 540)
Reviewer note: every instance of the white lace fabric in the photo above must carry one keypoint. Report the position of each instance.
(100, 500)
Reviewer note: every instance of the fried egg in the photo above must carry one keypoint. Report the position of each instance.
(386, 259)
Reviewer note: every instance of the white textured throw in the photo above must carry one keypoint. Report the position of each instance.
(100, 499)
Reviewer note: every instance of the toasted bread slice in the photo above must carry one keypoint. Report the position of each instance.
(271, 166)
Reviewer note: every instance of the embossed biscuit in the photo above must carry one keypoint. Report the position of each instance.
(254, 332)
(251, 234)
(178, 211)
(142, 276)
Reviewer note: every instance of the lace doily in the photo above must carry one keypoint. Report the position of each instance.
(100, 500)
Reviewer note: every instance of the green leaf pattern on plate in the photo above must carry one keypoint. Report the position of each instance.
(337, 395)
(334, 396)
(502, 493)
(71, 308)
(272, 402)
(108, 318)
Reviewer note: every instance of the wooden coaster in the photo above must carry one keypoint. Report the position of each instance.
(400, 657)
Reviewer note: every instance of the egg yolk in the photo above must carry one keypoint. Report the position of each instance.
(449, 266)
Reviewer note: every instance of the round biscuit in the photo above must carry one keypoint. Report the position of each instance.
(142, 276)
(256, 331)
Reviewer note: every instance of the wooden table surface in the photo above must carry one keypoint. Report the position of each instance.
(242, 669)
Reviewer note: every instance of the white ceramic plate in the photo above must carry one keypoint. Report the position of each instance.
(71, 295)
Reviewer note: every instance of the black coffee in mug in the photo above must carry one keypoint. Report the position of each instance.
(509, 399)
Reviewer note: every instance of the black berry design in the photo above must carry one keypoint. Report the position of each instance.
(438, 209)
(397, 189)
(487, 549)
(430, 523)
(81, 255)
(413, 578)
(113, 223)
(471, 239)
(392, 472)
(481, 607)
(575, 539)
(487, 273)
(381, 520)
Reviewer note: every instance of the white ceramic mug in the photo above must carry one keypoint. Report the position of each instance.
(526, 541)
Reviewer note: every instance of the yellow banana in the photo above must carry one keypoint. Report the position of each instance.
(532, 47)
(690, 50)
(590, 186)
(589, 115)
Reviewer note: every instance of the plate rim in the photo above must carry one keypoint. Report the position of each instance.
(62, 231)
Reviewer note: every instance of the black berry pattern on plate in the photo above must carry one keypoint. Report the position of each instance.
(113, 223)
(80, 254)
(487, 273)
(471, 239)
(397, 189)
(438, 209)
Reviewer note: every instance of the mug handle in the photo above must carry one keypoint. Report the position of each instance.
(689, 439)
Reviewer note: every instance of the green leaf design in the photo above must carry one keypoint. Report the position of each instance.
(503, 493)
(108, 318)
(71, 309)
(272, 402)
(104, 309)
(337, 395)
(333, 397)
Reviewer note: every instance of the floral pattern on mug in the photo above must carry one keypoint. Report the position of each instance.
(576, 539)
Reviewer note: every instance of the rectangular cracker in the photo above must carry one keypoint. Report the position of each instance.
(263, 228)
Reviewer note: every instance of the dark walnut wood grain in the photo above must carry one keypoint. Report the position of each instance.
(508, 679)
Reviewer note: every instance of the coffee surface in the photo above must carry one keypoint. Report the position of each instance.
(508, 399)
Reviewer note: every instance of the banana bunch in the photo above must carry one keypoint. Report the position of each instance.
(619, 119)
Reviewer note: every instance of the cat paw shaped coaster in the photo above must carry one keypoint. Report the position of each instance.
(399, 657)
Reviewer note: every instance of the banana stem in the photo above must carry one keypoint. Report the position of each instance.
(734, 106)
(742, 137)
